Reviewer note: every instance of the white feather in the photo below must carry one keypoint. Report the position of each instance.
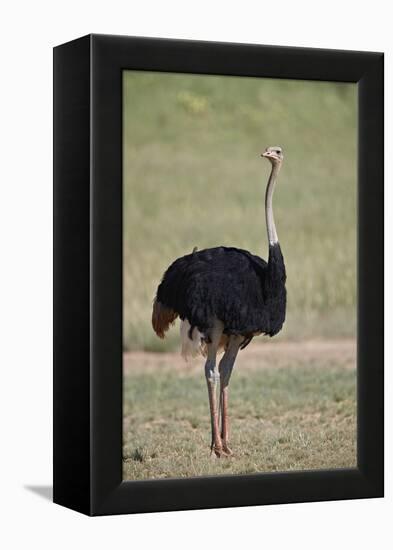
(190, 347)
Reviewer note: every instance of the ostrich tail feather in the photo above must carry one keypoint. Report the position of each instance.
(162, 318)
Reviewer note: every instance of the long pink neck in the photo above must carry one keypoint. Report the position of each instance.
(270, 225)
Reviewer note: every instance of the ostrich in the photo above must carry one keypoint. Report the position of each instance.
(224, 297)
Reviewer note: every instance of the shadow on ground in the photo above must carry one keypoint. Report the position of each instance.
(44, 491)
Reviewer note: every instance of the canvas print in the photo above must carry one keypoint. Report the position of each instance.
(239, 275)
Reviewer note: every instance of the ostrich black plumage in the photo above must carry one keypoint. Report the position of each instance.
(225, 296)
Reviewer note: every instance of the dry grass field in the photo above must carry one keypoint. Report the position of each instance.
(292, 407)
(193, 176)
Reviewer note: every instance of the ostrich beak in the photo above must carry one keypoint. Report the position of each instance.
(265, 154)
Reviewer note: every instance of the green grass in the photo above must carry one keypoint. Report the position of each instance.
(193, 177)
(299, 415)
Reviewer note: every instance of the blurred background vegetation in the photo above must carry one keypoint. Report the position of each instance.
(193, 177)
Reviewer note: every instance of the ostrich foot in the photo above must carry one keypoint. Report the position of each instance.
(220, 452)
(226, 450)
(216, 452)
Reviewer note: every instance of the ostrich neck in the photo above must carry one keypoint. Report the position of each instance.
(270, 225)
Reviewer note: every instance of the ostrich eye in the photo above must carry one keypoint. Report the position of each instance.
(278, 152)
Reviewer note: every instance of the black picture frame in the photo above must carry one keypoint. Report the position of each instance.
(88, 274)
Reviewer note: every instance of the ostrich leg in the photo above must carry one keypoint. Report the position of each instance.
(212, 377)
(225, 368)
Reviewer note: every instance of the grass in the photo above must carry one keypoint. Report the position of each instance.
(296, 415)
(193, 177)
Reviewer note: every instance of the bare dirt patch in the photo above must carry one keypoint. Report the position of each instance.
(258, 355)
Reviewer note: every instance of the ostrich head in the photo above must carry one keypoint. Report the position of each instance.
(274, 154)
